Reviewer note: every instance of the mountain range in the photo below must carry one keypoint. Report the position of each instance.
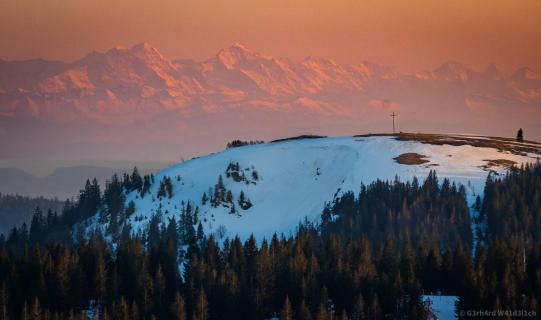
(117, 101)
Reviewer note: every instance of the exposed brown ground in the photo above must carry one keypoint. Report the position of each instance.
(411, 158)
(499, 163)
(501, 144)
(301, 137)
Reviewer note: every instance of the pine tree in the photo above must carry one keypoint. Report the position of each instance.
(187, 231)
(322, 313)
(200, 233)
(178, 310)
(126, 182)
(114, 197)
(166, 188)
(229, 197)
(134, 311)
(375, 308)
(159, 288)
(242, 197)
(169, 187)
(172, 233)
(244, 203)
(219, 192)
(130, 209)
(148, 288)
(204, 199)
(304, 312)
(61, 279)
(407, 264)
(36, 226)
(3, 303)
(201, 306)
(287, 311)
(35, 310)
(154, 233)
(146, 185)
(100, 279)
(124, 309)
(161, 190)
(136, 180)
(24, 312)
(358, 308)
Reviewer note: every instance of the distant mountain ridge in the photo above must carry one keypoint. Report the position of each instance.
(141, 97)
(141, 76)
(63, 183)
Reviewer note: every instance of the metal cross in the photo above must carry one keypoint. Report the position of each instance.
(393, 115)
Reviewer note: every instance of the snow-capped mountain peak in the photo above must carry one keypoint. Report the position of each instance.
(236, 55)
(452, 70)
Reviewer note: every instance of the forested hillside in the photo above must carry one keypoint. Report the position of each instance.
(372, 256)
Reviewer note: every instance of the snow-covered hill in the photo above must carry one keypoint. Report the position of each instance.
(286, 181)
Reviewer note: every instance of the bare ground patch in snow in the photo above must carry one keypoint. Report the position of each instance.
(411, 158)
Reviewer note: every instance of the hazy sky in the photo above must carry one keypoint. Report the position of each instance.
(411, 35)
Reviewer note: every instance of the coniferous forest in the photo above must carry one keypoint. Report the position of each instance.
(372, 257)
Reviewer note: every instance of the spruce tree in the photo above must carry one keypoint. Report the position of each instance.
(154, 233)
(3, 303)
(200, 233)
(136, 180)
(201, 307)
(146, 185)
(100, 279)
(287, 311)
(134, 311)
(35, 310)
(375, 308)
(322, 313)
(520, 135)
(358, 308)
(178, 309)
(24, 312)
(36, 226)
(204, 199)
(304, 312)
(113, 196)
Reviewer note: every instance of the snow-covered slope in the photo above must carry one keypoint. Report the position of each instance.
(295, 178)
(442, 307)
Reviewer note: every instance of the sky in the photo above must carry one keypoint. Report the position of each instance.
(410, 35)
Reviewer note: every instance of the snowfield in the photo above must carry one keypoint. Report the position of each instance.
(442, 307)
(296, 178)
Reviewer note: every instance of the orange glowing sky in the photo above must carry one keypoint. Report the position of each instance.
(411, 35)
